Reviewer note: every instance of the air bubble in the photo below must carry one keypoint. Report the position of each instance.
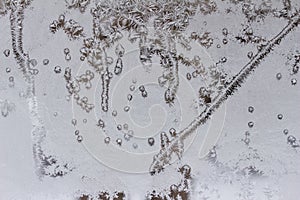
(225, 41)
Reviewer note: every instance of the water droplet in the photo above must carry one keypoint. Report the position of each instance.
(278, 76)
(250, 109)
(280, 116)
(45, 62)
(151, 141)
(250, 124)
(285, 131)
(294, 81)
(6, 52)
(119, 141)
(57, 69)
(106, 140)
(79, 138)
